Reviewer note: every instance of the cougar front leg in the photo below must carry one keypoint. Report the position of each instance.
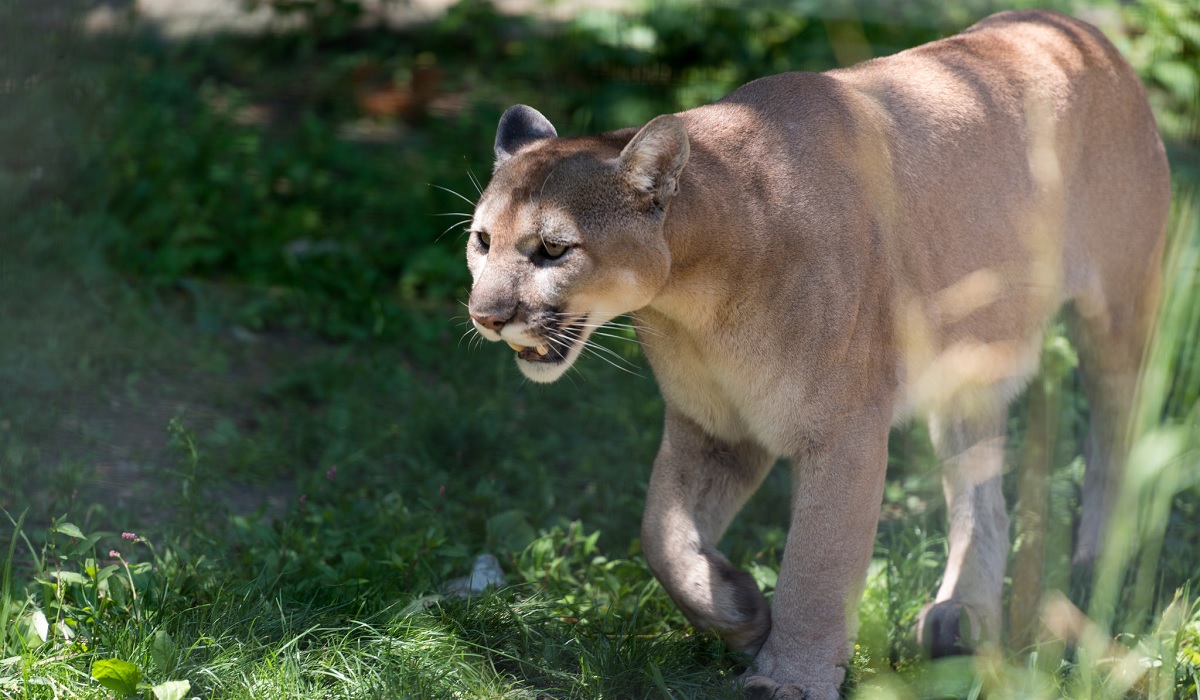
(835, 510)
(967, 608)
(697, 486)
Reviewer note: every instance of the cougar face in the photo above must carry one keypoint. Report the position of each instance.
(566, 237)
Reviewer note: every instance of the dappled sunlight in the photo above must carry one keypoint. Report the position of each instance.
(229, 324)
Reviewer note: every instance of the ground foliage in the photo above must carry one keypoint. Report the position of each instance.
(234, 245)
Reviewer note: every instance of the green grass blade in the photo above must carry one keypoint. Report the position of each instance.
(6, 602)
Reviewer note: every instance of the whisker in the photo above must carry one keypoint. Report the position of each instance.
(607, 326)
(545, 182)
(623, 334)
(644, 329)
(456, 194)
(612, 332)
(614, 316)
(451, 227)
(614, 336)
(615, 324)
(608, 351)
(475, 181)
(596, 350)
(564, 344)
(588, 347)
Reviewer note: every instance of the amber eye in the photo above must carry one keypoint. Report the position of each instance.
(554, 250)
(485, 239)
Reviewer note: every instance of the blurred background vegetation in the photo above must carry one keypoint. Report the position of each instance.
(231, 321)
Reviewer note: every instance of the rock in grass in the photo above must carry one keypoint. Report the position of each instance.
(485, 572)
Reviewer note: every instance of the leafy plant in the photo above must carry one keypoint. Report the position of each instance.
(125, 679)
(1164, 44)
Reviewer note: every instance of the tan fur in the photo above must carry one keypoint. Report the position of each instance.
(818, 256)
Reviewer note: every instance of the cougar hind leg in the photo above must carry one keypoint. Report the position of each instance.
(966, 610)
(1115, 239)
(1110, 348)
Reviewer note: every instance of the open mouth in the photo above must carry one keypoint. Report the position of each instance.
(554, 347)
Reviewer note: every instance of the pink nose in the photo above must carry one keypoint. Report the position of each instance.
(492, 323)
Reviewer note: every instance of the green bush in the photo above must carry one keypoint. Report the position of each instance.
(1164, 45)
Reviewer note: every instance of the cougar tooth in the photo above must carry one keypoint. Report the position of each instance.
(516, 347)
(542, 349)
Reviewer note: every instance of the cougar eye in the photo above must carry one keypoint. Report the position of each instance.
(485, 239)
(554, 250)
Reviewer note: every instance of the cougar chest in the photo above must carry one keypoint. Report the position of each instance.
(730, 391)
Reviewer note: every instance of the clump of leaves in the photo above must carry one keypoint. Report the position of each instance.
(79, 605)
(1164, 45)
(125, 678)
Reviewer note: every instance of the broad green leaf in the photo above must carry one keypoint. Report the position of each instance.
(37, 628)
(589, 543)
(86, 544)
(352, 560)
(328, 571)
(171, 690)
(117, 587)
(1190, 30)
(71, 577)
(68, 529)
(117, 675)
(510, 530)
(64, 630)
(163, 651)
(1181, 78)
(764, 576)
(106, 572)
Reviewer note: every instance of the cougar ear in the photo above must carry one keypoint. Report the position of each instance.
(654, 159)
(519, 127)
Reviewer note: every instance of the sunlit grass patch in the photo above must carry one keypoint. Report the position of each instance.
(84, 628)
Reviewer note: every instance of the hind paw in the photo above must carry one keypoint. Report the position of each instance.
(949, 628)
(764, 688)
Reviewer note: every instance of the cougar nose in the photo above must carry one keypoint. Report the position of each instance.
(492, 323)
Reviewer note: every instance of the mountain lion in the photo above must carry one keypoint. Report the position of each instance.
(816, 257)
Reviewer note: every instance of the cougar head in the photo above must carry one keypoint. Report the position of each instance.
(569, 234)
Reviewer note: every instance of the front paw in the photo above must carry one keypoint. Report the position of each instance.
(948, 628)
(765, 688)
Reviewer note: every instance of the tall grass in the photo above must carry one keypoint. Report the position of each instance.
(1165, 451)
(1164, 462)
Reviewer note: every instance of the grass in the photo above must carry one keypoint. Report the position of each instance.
(231, 329)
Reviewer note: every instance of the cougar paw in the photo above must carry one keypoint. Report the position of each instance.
(1083, 572)
(764, 688)
(948, 628)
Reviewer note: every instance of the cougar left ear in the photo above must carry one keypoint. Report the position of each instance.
(519, 127)
(654, 159)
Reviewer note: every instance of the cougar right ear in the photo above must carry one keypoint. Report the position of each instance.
(519, 127)
(654, 158)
